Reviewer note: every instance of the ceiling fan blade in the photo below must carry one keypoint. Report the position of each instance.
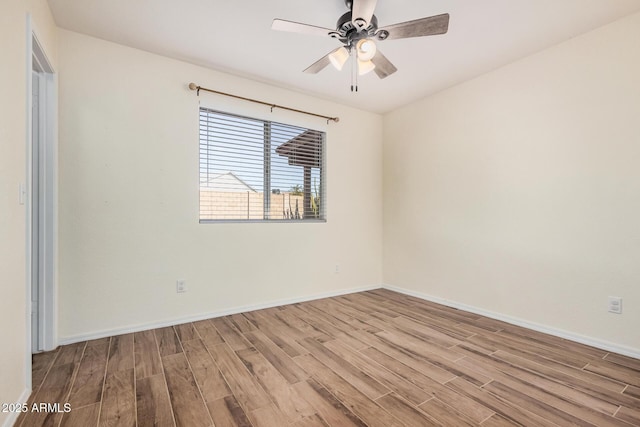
(430, 26)
(384, 67)
(362, 11)
(320, 64)
(296, 27)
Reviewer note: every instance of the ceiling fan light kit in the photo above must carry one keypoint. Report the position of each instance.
(365, 67)
(366, 49)
(358, 30)
(338, 57)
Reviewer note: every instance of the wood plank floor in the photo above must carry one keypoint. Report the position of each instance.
(375, 358)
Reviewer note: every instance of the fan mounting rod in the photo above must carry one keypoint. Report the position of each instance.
(349, 33)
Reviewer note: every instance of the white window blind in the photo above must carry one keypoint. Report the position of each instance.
(256, 170)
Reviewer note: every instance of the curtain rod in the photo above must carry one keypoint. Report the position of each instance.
(197, 88)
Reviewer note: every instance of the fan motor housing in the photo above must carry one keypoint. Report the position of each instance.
(347, 33)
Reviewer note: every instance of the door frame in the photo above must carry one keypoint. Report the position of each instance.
(36, 57)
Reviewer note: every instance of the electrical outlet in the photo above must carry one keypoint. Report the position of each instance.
(337, 270)
(615, 305)
(181, 286)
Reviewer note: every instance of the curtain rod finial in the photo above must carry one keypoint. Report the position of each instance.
(193, 86)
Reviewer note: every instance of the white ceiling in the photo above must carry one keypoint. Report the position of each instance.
(236, 37)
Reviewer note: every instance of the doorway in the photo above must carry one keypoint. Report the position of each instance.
(42, 175)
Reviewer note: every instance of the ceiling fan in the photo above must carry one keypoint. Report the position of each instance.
(358, 31)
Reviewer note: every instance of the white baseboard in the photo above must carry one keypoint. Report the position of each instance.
(594, 342)
(202, 316)
(582, 339)
(13, 416)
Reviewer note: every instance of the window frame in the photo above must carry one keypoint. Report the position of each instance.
(268, 150)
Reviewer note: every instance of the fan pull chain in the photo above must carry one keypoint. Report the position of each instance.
(351, 65)
(355, 67)
(354, 71)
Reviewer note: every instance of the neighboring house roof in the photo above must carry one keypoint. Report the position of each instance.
(304, 149)
(227, 182)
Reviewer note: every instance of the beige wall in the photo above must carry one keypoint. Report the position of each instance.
(529, 189)
(13, 123)
(128, 203)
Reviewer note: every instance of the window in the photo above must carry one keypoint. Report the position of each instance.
(256, 170)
